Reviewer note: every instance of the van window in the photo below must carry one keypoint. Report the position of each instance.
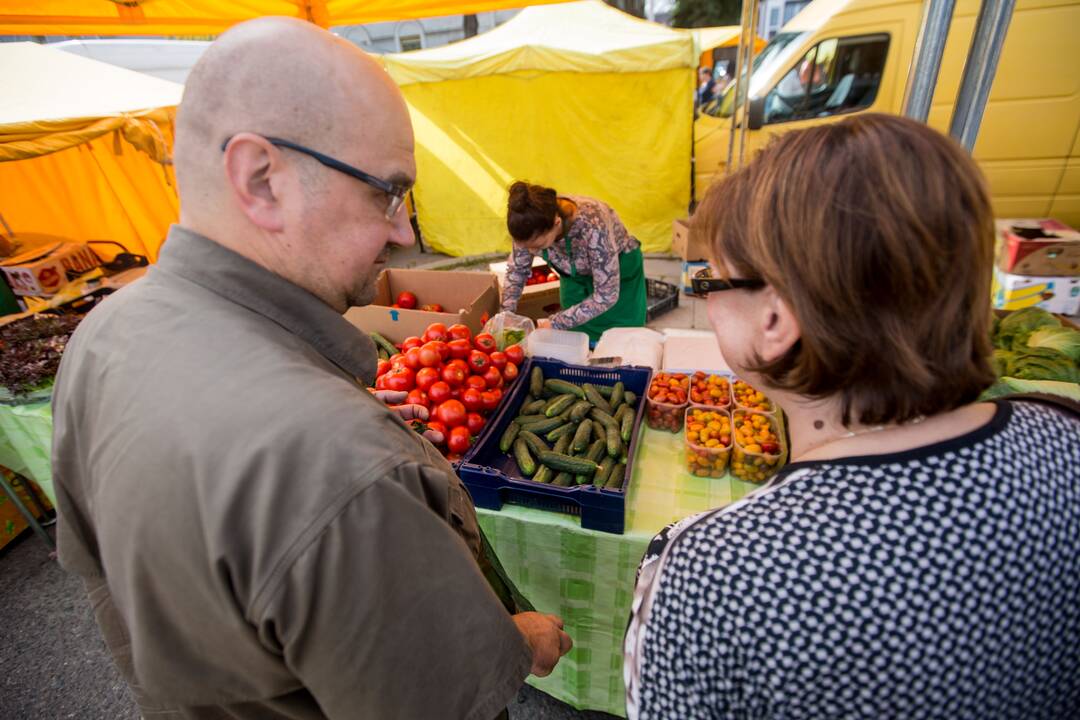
(764, 63)
(835, 76)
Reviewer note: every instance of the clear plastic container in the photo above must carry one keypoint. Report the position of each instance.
(661, 414)
(747, 397)
(566, 345)
(708, 441)
(716, 394)
(760, 450)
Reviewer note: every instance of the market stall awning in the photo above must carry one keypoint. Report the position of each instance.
(721, 36)
(210, 17)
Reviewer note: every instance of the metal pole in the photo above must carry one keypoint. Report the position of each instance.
(926, 60)
(744, 126)
(979, 70)
(740, 60)
(5, 486)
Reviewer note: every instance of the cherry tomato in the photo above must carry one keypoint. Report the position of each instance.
(510, 372)
(476, 381)
(400, 379)
(417, 397)
(438, 427)
(475, 423)
(426, 377)
(406, 300)
(435, 331)
(485, 342)
(498, 359)
(515, 354)
(459, 348)
(493, 377)
(459, 332)
(472, 399)
(490, 400)
(411, 342)
(443, 348)
(438, 393)
(459, 440)
(451, 413)
(453, 376)
(479, 362)
(413, 359)
(428, 355)
(383, 368)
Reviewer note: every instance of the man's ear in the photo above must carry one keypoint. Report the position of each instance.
(779, 329)
(253, 169)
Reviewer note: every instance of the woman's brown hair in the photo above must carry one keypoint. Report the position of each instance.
(530, 209)
(878, 233)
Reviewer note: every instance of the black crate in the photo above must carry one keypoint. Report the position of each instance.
(662, 297)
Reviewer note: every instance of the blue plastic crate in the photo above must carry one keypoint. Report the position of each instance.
(492, 476)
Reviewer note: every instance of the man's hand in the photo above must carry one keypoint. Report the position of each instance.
(543, 323)
(546, 639)
(408, 413)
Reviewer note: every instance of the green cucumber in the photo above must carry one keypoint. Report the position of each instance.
(614, 442)
(507, 440)
(579, 410)
(558, 405)
(603, 417)
(630, 398)
(563, 445)
(601, 476)
(385, 344)
(618, 390)
(542, 427)
(383, 355)
(615, 479)
(534, 407)
(527, 418)
(605, 390)
(599, 431)
(566, 430)
(536, 445)
(582, 435)
(524, 460)
(558, 461)
(593, 396)
(626, 428)
(543, 475)
(594, 453)
(536, 382)
(619, 412)
(561, 387)
(563, 479)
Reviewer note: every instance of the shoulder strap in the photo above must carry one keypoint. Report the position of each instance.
(1066, 405)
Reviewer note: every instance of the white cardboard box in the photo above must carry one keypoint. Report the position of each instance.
(1059, 295)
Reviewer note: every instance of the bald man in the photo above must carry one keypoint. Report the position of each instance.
(258, 535)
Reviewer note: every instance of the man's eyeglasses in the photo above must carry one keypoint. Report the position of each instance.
(395, 191)
(704, 283)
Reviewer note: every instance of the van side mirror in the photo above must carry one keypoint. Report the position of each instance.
(757, 113)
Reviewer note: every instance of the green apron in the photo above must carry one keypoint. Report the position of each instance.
(628, 311)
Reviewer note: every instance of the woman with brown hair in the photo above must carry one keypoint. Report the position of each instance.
(921, 554)
(600, 266)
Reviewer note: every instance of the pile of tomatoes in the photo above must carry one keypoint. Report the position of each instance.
(540, 276)
(407, 301)
(459, 378)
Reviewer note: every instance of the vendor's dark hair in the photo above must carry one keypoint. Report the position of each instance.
(530, 209)
(878, 233)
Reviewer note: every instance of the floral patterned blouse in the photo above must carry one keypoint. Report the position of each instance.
(597, 239)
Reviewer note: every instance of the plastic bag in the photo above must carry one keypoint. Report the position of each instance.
(509, 329)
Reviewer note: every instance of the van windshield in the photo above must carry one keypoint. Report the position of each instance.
(764, 63)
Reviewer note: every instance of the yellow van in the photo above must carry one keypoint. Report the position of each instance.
(838, 57)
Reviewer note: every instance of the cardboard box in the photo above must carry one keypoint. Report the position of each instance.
(1059, 295)
(685, 246)
(466, 296)
(43, 270)
(537, 301)
(688, 271)
(1038, 247)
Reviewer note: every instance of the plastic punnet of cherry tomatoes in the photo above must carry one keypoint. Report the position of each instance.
(710, 390)
(665, 400)
(758, 452)
(750, 398)
(708, 442)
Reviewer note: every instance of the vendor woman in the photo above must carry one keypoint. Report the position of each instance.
(600, 267)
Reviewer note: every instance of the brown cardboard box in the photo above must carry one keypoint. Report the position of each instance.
(45, 267)
(683, 245)
(466, 296)
(537, 301)
(1038, 247)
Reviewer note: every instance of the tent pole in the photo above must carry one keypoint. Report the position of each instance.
(979, 70)
(740, 60)
(744, 125)
(929, 47)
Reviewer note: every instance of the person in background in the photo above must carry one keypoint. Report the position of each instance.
(706, 90)
(600, 265)
(259, 536)
(921, 555)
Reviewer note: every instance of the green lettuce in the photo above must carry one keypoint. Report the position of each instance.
(1015, 328)
(1062, 339)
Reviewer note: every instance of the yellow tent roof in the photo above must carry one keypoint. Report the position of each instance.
(209, 17)
(582, 37)
(721, 36)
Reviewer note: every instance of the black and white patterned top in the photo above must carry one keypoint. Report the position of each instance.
(937, 582)
(597, 239)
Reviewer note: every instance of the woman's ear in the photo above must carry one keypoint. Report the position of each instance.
(779, 328)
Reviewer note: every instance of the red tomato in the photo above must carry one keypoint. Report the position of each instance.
(493, 377)
(397, 360)
(459, 332)
(453, 376)
(411, 342)
(490, 400)
(498, 393)
(406, 300)
(472, 399)
(475, 423)
(438, 427)
(400, 379)
(426, 377)
(479, 362)
(428, 354)
(461, 364)
(476, 381)
(382, 368)
(453, 457)
(498, 359)
(459, 440)
(432, 307)
(438, 393)
(510, 372)
(515, 354)
(451, 413)
(380, 382)
(417, 397)
(413, 361)
(443, 348)
(459, 348)
(485, 342)
(552, 277)
(435, 331)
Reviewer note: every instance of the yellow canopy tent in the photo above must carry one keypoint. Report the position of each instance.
(723, 36)
(84, 149)
(577, 96)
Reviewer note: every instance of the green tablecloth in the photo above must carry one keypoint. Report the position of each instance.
(26, 442)
(587, 577)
